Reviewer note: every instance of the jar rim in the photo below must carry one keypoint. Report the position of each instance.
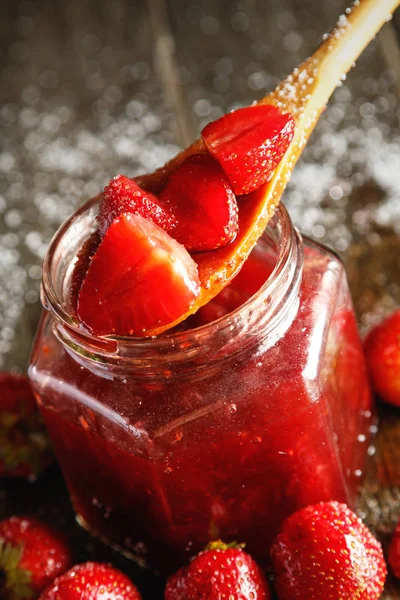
(118, 344)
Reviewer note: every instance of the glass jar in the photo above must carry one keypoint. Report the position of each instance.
(216, 431)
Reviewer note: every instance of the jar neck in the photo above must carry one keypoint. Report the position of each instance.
(257, 323)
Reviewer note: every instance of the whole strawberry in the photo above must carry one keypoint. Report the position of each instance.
(382, 349)
(92, 581)
(326, 552)
(32, 555)
(220, 571)
(24, 445)
(394, 552)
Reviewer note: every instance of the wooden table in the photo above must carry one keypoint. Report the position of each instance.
(89, 89)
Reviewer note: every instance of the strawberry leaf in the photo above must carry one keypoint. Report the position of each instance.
(17, 581)
(220, 545)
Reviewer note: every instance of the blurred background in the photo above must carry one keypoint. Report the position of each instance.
(91, 88)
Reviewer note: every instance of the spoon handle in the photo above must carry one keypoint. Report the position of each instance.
(306, 91)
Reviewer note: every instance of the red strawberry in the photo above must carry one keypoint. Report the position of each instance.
(382, 349)
(220, 571)
(92, 581)
(32, 555)
(123, 195)
(249, 143)
(325, 551)
(24, 446)
(200, 197)
(138, 279)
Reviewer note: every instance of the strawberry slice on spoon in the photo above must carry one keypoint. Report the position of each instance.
(200, 197)
(249, 144)
(123, 195)
(139, 279)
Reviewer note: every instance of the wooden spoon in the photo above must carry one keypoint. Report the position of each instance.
(304, 94)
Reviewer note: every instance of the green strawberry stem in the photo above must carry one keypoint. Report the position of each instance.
(220, 545)
(14, 582)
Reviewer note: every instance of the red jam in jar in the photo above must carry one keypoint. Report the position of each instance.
(256, 406)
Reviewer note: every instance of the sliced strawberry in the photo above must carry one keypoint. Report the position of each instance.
(138, 279)
(123, 195)
(249, 143)
(200, 197)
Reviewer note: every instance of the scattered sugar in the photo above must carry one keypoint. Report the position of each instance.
(50, 163)
(369, 158)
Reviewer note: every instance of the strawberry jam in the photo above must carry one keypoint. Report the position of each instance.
(254, 407)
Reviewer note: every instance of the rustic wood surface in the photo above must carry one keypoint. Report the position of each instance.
(91, 88)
